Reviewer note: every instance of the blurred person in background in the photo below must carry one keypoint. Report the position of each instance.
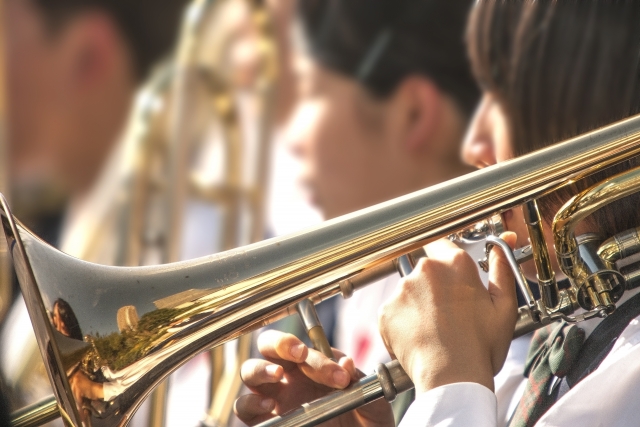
(385, 93)
(73, 68)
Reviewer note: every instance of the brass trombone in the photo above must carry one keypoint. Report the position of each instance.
(243, 289)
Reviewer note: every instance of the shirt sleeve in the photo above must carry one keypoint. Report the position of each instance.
(453, 405)
(111, 390)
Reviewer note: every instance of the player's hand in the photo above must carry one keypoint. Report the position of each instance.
(444, 326)
(83, 388)
(293, 374)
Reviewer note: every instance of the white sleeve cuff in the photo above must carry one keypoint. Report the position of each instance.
(453, 405)
(111, 390)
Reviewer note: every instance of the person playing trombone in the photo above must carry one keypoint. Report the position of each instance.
(549, 70)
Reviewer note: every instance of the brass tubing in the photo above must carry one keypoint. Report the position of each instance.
(402, 265)
(620, 246)
(546, 277)
(229, 385)
(320, 341)
(389, 380)
(371, 275)
(307, 311)
(159, 397)
(566, 244)
(583, 205)
(631, 275)
(39, 413)
(216, 356)
(406, 263)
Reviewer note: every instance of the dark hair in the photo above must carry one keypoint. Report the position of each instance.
(68, 317)
(149, 27)
(561, 68)
(381, 42)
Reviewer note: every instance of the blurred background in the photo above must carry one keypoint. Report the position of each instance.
(134, 133)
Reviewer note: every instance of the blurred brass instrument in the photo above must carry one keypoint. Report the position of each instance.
(246, 288)
(204, 78)
(189, 143)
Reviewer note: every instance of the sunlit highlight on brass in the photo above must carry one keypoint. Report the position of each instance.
(594, 289)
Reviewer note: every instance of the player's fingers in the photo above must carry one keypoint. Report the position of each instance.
(501, 277)
(256, 372)
(322, 370)
(279, 345)
(251, 408)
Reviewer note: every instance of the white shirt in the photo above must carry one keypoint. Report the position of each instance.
(607, 397)
(357, 331)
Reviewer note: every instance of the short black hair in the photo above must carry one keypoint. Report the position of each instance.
(412, 37)
(148, 26)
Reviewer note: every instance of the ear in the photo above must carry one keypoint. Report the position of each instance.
(418, 107)
(93, 48)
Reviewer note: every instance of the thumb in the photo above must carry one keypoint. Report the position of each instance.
(501, 279)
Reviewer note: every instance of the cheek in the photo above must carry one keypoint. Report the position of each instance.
(503, 151)
(501, 134)
(317, 135)
(30, 99)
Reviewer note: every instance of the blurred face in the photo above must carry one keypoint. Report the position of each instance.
(339, 134)
(68, 96)
(33, 94)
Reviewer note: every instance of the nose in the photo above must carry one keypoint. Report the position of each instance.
(478, 147)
